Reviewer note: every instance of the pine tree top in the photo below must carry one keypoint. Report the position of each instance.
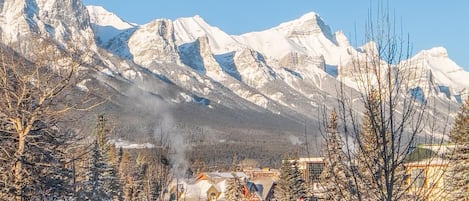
(460, 132)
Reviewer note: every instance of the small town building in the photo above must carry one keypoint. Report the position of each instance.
(425, 168)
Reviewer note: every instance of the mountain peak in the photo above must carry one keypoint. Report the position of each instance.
(341, 39)
(197, 17)
(307, 24)
(106, 24)
(195, 20)
(435, 52)
(189, 29)
(96, 8)
(102, 17)
(309, 16)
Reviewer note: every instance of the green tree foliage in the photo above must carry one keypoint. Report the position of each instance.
(460, 132)
(457, 176)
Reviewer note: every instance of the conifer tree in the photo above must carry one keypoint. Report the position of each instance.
(101, 181)
(124, 174)
(376, 165)
(97, 185)
(282, 191)
(290, 185)
(457, 176)
(335, 181)
(128, 190)
(139, 177)
(297, 182)
(370, 150)
(376, 162)
(234, 189)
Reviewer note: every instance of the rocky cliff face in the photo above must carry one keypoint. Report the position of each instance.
(302, 63)
(66, 22)
(253, 68)
(446, 78)
(198, 55)
(154, 42)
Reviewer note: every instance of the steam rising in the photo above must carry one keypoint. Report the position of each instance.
(155, 114)
(294, 140)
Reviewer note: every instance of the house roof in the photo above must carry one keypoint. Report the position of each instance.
(264, 185)
(198, 189)
(311, 160)
(254, 189)
(429, 154)
(205, 182)
(220, 175)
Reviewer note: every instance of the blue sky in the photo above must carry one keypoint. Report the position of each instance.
(430, 23)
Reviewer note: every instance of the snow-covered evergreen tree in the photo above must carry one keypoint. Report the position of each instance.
(457, 176)
(370, 150)
(101, 181)
(234, 189)
(377, 168)
(282, 191)
(290, 185)
(335, 181)
(139, 178)
(97, 184)
(297, 182)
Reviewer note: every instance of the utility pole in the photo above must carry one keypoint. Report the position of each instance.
(306, 139)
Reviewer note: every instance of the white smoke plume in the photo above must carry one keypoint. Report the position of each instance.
(294, 140)
(154, 111)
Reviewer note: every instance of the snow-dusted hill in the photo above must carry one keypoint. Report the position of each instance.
(278, 78)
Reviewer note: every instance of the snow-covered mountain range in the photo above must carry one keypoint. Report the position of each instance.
(276, 78)
(293, 54)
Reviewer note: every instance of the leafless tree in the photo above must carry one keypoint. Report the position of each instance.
(395, 113)
(36, 94)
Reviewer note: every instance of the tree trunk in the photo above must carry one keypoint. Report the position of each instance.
(18, 168)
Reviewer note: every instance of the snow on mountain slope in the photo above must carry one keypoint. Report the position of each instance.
(198, 55)
(315, 36)
(307, 35)
(270, 42)
(289, 71)
(189, 29)
(154, 42)
(63, 21)
(451, 79)
(105, 24)
(292, 55)
(253, 68)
